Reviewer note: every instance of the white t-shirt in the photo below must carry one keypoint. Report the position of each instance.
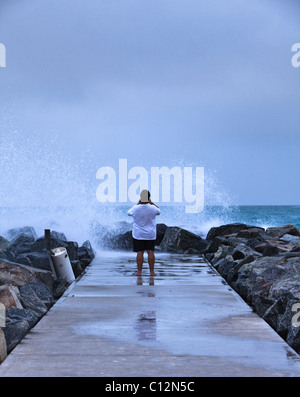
(144, 224)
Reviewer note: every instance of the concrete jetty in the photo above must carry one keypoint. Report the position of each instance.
(185, 322)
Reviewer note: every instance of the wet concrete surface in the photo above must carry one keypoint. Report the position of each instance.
(186, 321)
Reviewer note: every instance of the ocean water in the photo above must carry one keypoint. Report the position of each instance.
(85, 223)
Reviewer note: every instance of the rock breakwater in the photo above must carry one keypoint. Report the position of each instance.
(28, 289)
(263, 267)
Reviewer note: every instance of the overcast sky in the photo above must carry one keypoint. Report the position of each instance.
(161, 83)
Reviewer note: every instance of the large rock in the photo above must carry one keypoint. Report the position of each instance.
(293, 338)
(4, 243)
(14, 315)
(60, 285)
(280, 231)
(24, 244)
(21, 239)
(243, 284)
(268, 249)
(290, 238)
(179, 240)
(252, 232)
(266, 271)
(215, 243)
(233, 273)
(225, 230)
(17, 274)
(241, 251)
(76, 267)
(123, 241)
(261, 304)
(18, 247)
(15, 330)
(160, 232)
(288, 286)
(222, 252)
(274, 310)
(38, 260)
(31, 301)
(225, 265)
(3, 352)
(42, 292)
(86, 254)
(10, 296)
(288, 324)
(29, 231)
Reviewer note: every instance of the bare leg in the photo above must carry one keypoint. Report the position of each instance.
(151, 261)
(139, 262)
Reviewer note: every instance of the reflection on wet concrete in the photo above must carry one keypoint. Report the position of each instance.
(146, 327)
(142, 281)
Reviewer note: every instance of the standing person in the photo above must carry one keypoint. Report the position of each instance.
(144, 231)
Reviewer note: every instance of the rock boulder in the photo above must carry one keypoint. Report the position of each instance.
(10, 296)
(264, 269)
(225, 230)
(179, 240)
(17, 274)
(280, 231)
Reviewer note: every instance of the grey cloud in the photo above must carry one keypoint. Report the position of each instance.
(203, 79)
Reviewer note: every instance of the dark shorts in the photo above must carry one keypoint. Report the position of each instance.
(143, 245)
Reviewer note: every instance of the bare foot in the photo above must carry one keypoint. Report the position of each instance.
(138, 274)
(153, 274)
